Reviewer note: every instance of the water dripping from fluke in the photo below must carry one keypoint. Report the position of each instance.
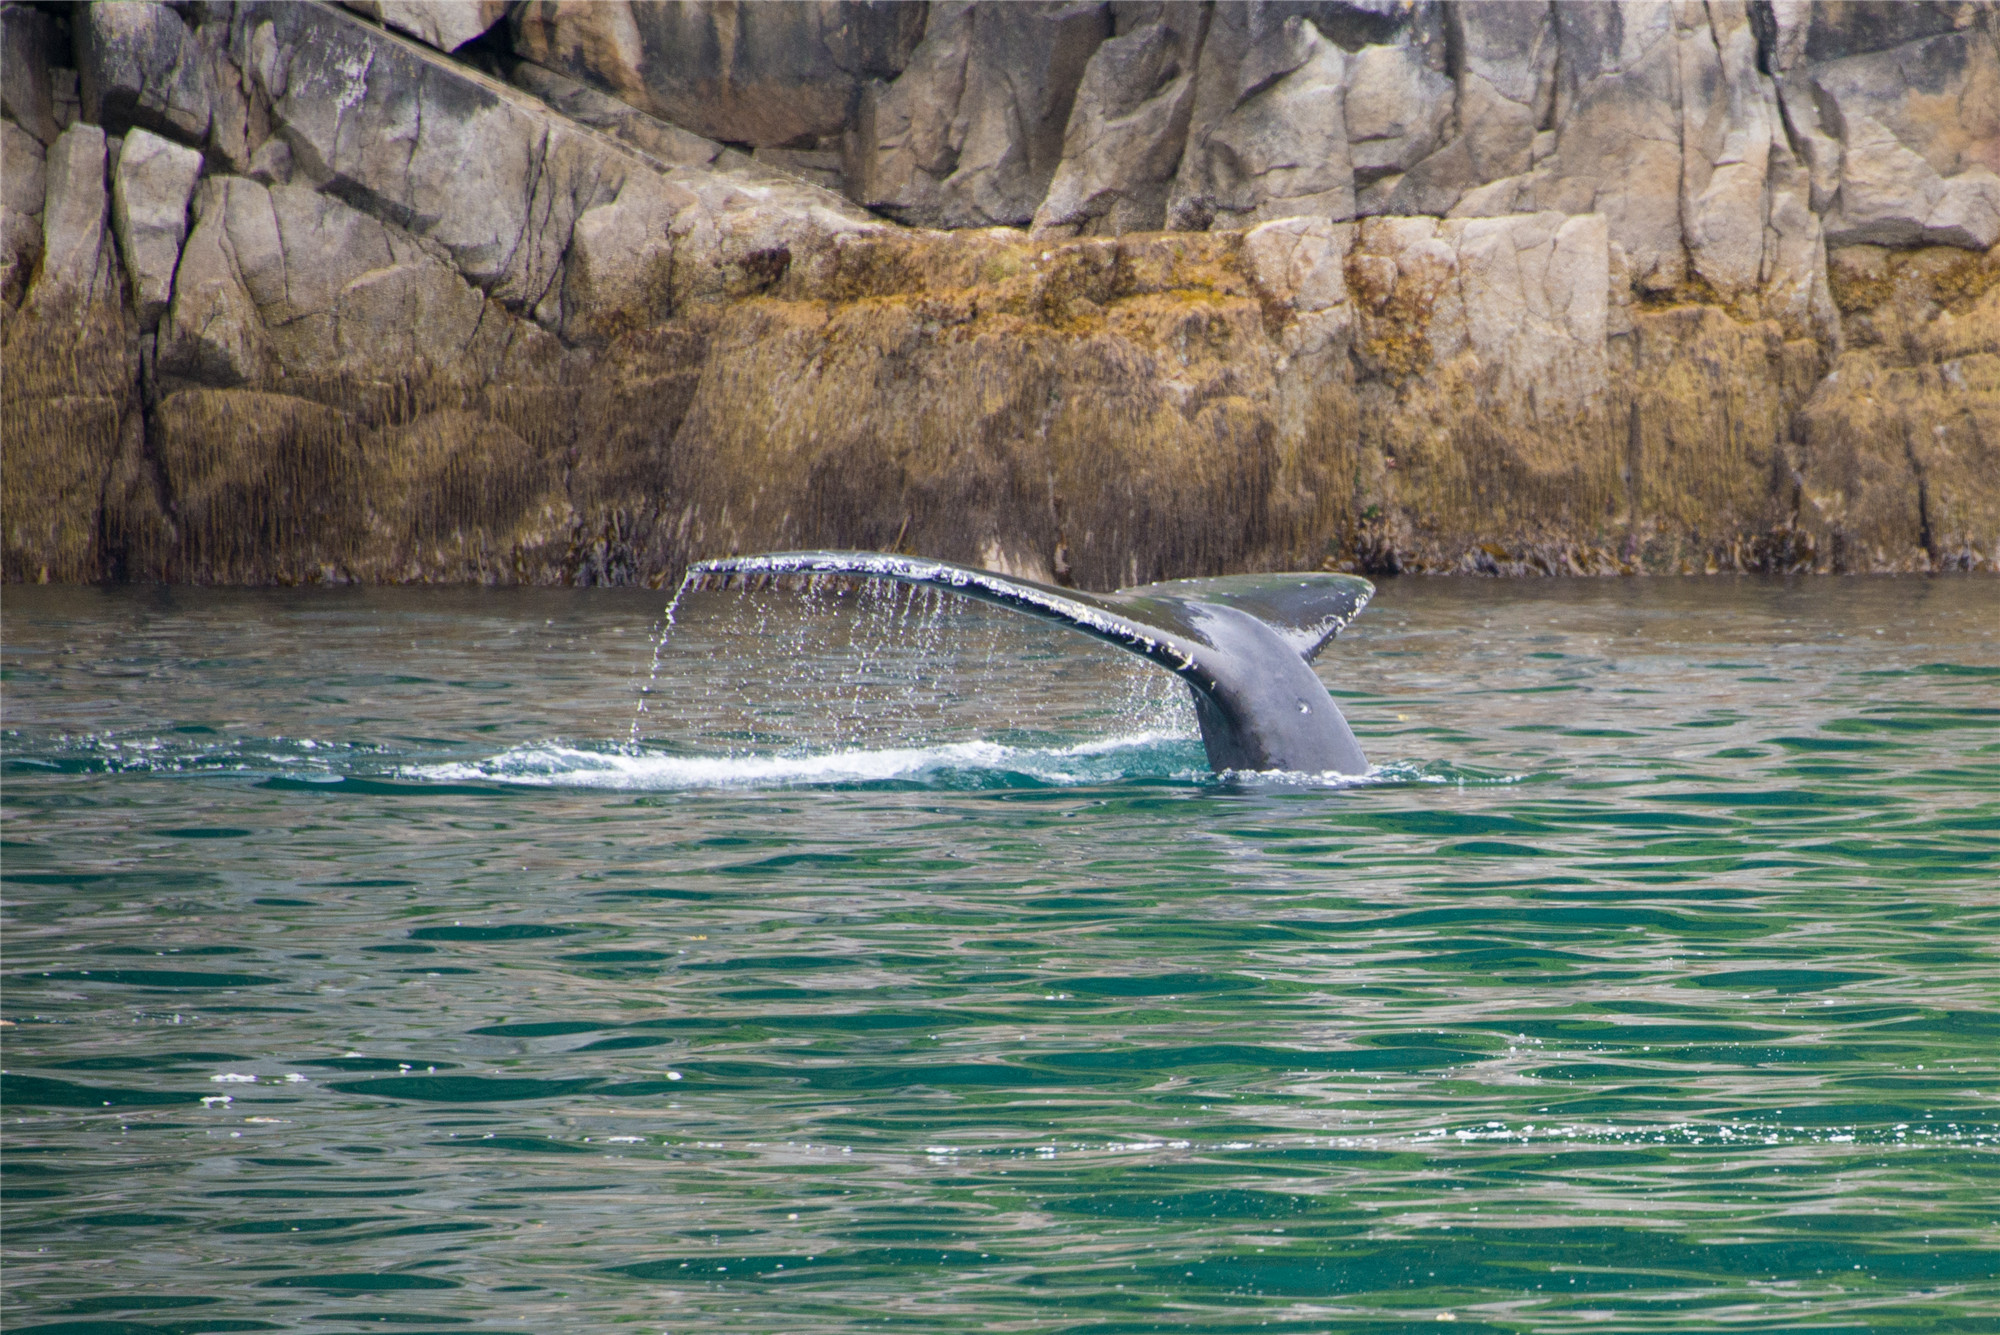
(1244, 644)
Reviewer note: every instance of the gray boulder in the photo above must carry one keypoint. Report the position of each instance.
(664, 143)
(1730, 121)
(1535, 308)
(1268, 134)
(68, 391)
(238, 124)
(150, 186)
(213, 334)
(457, 161)
(971, 133)
(1666, 123)
(1618, 119)
(766, 75)
(1918, 126)
(1890, 196)
(25, 94)
(620, 270)
(444, 24)
(1795, 288)
(285, 277)
(1505, 88)
(341, 287)
(139, 65)
(489, 175)
(1397, 107)
(23, 184)
(79, 265)
(1128, 128)
(1817, 140)
(1300, 263)
(1810, 31)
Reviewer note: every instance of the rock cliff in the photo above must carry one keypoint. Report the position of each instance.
(559, 292)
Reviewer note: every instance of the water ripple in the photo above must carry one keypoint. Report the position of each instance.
(896, 967)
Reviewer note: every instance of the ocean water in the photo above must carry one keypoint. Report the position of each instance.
(433, 960)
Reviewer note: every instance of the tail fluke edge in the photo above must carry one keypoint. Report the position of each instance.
(1241, 642)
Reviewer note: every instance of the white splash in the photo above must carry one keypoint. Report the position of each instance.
(556, 765)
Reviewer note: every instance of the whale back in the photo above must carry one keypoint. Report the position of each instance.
(1243, 643)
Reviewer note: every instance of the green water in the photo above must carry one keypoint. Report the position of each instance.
(901, 968)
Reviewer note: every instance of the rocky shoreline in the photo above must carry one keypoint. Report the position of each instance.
(552, 293)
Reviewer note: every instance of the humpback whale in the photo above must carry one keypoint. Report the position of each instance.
(1242, 643)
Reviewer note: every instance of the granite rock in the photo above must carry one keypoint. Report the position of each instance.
(69, 389)
(151, 183)
(1807, 31)
(447, 158)
(970, 133)
(620, 271)
(1919, 130)
(1897, 443)
(79, 262)
(284, 281)
(1503, 97)
(25, 66)
(1397, 107)
(213, 333)
(486, 171)
(23, 185)
(444, 24)
(140, 66)
(1619, 126)
(766, 75)
(1301, 263)
(1127, 129)
(660, 141)
(1267, 137)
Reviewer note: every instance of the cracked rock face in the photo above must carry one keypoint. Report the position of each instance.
(1503, 97)
(1128, 128)
(139, 65)
(79, 262)
(971, 132)
(27, 92)
(1268, 136)
(292, 292)
(443, 157)
(444, 24)
(23, 187)
(1919, 142)
(151, 183)
(767, 75)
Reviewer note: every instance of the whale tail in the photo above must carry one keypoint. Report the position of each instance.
(1242, 643)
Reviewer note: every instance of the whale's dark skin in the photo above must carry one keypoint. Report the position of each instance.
(1242, 643)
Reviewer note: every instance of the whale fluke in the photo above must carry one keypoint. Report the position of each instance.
(1242, 643)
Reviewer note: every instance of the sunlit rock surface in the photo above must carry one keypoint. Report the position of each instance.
(578, 293)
